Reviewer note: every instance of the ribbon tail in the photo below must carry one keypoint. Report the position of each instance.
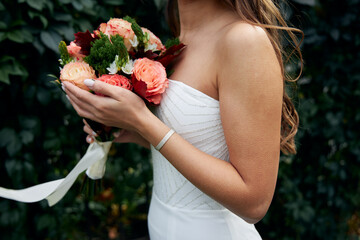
(97, 170)
(54, 191)
(32, 194)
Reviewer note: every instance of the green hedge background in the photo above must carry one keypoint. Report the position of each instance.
(41, 138)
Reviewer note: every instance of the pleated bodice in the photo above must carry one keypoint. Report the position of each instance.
(196, 117)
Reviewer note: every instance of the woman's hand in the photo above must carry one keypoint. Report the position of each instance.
(121, 136)
(122, 108)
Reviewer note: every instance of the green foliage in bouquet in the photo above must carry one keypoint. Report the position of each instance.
(142, 37)
(64, 54)
(172, 42)
(103, 52)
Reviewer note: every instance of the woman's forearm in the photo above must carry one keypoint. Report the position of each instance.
(215, 177)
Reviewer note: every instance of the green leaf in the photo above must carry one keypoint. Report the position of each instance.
(64, 54)
(142, 38)
(50, 40)
(36, 4)
(88, 3)
(8, 65)
(26, 137)
(77, 5)
(114, 2)
(10, 140)
(66, 31)
(6, 136)
(20, 36)
(65, 1)
(16, 36)
(171, 42)
(3, 26)
(4, 76)
(62, 17)
(2, 7)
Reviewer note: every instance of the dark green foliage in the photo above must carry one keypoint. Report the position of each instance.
(103, 52)
(41, 138)
(137, 30)
(318, 192)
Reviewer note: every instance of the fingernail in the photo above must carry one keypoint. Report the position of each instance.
(89, 82)
(67, 97)
(116, 134)
(94, 134)
(63, 87)
(89, 139)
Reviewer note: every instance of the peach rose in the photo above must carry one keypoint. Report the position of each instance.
(74, 51)
(121, 27)
(154, 40)
(149, 79)
(115, 80)
(76, 73)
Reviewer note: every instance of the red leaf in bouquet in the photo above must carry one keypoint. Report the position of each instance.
(141, 54)
(149, 80)
(150, 55)
(166, 58)
(84, 40)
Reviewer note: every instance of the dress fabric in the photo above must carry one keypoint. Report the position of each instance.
(178, 209)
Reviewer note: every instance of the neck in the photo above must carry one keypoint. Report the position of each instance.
(198, 16)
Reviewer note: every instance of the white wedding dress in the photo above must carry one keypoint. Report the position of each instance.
(179, 210)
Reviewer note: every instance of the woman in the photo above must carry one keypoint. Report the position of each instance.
(215, 176)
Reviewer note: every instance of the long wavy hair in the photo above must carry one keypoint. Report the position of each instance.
(266, 14)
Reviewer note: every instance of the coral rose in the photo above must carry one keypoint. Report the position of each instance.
(74, 51)
(154, 40)
(121, 27)
(115, 80)
(76, 73)
(149, 79)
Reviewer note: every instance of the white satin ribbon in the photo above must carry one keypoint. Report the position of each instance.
(94, 160)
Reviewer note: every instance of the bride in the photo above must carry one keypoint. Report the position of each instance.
(221, 124)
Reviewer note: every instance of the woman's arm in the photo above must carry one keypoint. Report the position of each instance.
(250, 94)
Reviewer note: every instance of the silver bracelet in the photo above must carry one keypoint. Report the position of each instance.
(164, 140)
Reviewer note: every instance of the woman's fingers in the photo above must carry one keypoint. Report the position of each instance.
(89, 131)
(104, 88)
(80, 101)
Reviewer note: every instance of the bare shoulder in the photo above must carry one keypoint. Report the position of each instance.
(247, 62)
(241, 36)
(245, 51)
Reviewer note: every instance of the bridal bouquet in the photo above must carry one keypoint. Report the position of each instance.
(120, 53)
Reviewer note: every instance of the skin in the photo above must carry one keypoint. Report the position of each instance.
(228, 60)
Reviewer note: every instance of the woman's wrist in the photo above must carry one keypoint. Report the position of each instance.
(152, 129)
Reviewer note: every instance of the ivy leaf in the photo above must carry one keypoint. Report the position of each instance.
(114, 2)
(36, 4)
(50, 39)
(9, 66)
(20, 36)
(10, 140)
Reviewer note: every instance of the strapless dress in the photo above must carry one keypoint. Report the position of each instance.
(178, 209)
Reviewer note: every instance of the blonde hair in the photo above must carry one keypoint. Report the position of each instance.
(266, 14)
